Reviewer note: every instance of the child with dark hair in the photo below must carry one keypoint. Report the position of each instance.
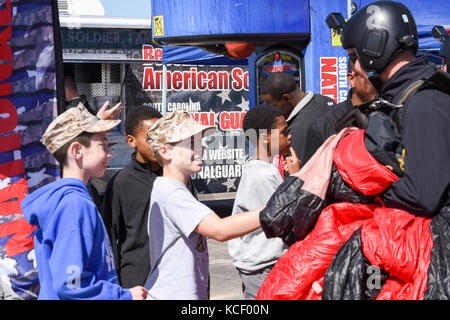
(126, 201)
(253, 254)
(138, 114)
(298, 107)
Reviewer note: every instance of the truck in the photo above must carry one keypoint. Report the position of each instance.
(207, 56)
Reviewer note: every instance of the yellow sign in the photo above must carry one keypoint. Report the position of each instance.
(335, 39)
(158, 25)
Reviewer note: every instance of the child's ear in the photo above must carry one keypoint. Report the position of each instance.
(74, 151)
(131, 141)
(164, 153)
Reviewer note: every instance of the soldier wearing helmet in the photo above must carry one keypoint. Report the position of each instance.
(383, 37)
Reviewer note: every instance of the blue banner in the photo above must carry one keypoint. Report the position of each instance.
(27, 106)
(217, 21)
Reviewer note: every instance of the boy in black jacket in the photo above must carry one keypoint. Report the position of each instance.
(127, 196)
(126, 201)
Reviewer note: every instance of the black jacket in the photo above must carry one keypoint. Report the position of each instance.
(299, 124)
(324, 127)
(125, 214)
(425, 129)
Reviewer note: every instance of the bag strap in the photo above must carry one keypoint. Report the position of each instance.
(410, 90)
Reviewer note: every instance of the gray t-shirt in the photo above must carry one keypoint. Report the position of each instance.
(254, 251)
(179, 260)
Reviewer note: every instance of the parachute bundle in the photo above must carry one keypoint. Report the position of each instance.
(354, 248)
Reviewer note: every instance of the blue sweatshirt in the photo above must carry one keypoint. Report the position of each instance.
(73, 252)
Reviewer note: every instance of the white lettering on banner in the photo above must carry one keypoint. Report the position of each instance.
(219, 172)
(222, 163)
(333, 78)
(224, 154)
(195, 80)
(189, 106)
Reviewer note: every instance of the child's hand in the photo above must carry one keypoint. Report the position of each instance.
(109, 114)
(292, 163)
(139, 293)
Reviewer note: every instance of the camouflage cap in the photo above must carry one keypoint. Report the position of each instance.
(72, 123)
(174, 127)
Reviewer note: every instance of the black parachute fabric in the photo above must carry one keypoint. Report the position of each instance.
(350, 275)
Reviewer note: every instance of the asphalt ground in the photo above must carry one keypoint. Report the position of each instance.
(225, 283)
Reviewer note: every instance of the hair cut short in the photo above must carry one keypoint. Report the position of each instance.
(261, 119)
(136, 115)
(277, 84)
(83, 138)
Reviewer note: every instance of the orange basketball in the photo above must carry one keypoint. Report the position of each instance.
(240, 50)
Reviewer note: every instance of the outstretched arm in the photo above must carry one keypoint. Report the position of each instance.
(224, 229)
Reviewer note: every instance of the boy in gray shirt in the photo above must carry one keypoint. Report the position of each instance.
(253, 254)
(177, 222)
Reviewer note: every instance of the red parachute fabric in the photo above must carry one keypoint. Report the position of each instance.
(393, 239)
(359, 169)
(399, 243)
(298, 273)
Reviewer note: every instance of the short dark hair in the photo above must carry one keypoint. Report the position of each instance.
(60, 155)
(279, 83)
(261, 118)
(138, 114)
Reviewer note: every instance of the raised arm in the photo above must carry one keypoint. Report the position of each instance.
(224, 229)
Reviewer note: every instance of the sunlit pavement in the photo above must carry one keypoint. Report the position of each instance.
(225, 281)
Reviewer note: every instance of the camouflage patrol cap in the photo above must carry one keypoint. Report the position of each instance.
(72, 123)
(174, 127)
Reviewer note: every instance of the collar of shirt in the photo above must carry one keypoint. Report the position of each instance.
(306, 99)
(143, 167)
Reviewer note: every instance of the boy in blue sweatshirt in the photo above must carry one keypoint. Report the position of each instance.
(73, 252)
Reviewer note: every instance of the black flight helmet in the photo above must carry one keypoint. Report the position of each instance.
(441, 34)
(379, 32)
